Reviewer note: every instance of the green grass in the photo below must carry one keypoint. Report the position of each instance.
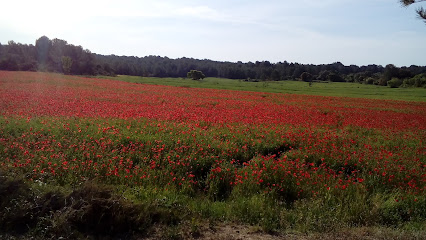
(354, 90)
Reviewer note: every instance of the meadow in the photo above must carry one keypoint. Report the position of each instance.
(127, 153)
(336, 89)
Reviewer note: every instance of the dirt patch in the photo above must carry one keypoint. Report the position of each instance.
(244, 232)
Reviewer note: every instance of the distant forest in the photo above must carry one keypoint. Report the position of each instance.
(57, 55)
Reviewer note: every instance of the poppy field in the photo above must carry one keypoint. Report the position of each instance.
(281, 161)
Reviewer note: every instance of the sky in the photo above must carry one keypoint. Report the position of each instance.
(359, 32)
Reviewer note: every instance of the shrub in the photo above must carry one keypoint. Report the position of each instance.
(333, 77)
(306, 77)
(395, 83)
(416, 81)
(369, 80)
(195, 75)
(91, 209)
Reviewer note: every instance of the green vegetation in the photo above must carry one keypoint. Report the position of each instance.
(97, 211)
(68, 203)
(337, 89)
(87, 176)
(195, 75)
(48, 56)
(66, 64)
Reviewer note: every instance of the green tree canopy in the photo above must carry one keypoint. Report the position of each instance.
(306, 77)
(195, 75)
(66, 64)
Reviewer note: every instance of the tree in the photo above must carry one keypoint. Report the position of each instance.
(334, 77)
(57, 50)
(275, 75)
(306, 77)
(390, 72)
(66, 64)
(421, 12)
(394, 83)
(297, 72)
(195, 75)
(323, 75)
(43, 45)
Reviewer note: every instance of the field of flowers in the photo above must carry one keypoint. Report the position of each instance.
(282, 161)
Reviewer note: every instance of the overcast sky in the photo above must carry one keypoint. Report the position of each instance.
(357, 32)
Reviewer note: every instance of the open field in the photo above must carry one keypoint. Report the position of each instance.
(336, 89)
(79, 155)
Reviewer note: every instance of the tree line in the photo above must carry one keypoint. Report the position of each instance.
(58, 56)
(48, 55)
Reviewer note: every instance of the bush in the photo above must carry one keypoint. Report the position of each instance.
(195, 75)
(394, 210)
(333, 77)
(395, 83)
(416, 81)
(306, 77)
(89, 210)
(369, 80)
